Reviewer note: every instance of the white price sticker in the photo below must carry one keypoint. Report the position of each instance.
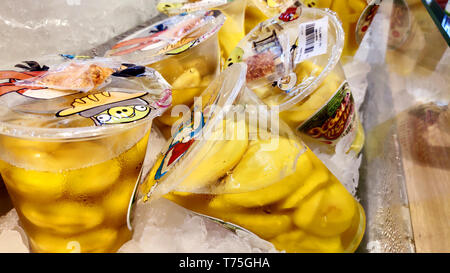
(312, 39)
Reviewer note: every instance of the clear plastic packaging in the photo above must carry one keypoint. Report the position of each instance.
(71, 159)
(293, 63)
(233, 161)
(184, 49)
(233, 29)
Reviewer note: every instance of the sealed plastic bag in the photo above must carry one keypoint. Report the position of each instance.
(234, 162)
(71, 157)
(233, 29)
(184, 49)
(293, 63)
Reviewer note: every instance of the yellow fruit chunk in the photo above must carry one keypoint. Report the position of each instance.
(117, 201)
(63, 217)
(268, 195)
(358, 143)
(189, 78)
(94, 241)
(94, 179)
(220, 154)
(133, 159)
(262, 224)
(170, 68)
(34, 184)
(263, 164)
(300, 242)
(201, 64)
(329, 212)
(76, 155)
(317, 179)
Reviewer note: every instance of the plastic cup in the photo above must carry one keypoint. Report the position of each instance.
(184, 49)
(71, 159)
(258, 11)
(293, 64)
(229, 165)
(233, 29)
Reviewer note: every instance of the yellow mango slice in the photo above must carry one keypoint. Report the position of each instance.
(263, 164)
(329, 212)
(317, 179)
(262, 224)
(219, 155)
(94, 179)
(299, 241)
(270, 194)
(63, 217)
(33, 184)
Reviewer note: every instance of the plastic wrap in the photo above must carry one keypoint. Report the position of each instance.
(213, 166)
(70, 159)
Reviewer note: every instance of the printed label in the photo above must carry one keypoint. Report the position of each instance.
(365, 20)
(312, 39)
(334, 120)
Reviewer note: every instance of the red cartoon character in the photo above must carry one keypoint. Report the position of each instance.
(32, 70)
(289, 15)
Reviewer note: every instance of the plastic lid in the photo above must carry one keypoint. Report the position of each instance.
(277, 46)
(174, 163)
(79, 98)
(171, 36)
(173, 7)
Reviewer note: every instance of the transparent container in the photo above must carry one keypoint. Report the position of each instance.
(71, 157)
(258, 11)
(184, 49)
(293, 64)
(233, 29)
(228, 163)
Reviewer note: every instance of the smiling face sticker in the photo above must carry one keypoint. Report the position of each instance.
(109, 107)
(122, 114)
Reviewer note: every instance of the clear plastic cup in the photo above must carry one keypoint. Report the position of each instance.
(184, 49)
(233, 29)
(228, 163)
(293, 63)
(71, 157)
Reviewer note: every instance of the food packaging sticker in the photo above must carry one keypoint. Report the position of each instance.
(312, 40)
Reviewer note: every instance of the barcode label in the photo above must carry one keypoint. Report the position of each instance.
(312, 39)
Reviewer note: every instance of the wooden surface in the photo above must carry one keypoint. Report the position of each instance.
(424, 138)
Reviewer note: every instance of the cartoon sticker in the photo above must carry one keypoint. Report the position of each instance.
(109, 107)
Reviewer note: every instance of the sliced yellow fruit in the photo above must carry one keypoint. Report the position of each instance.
(329, 212)
(270, 194)
(317, 179)
(218, 155)
(299, 241)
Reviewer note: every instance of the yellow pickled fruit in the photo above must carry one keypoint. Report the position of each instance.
(307, 69)
(357, 6)
(34, 184)
(299, 241)
(133, 159)
(201, 64)
(253, 16)
(263, 164)
(224, 149)
(262, 224)
(117, 201)
(317, 179)
(358, 143)
(229, 35)
(169, 68)
(63, 217)
(100, 240)
(189, 78)
(264, 91)
(28, 154)
(76, 155)
(94, 179)
(270, 194)
(329, 212)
